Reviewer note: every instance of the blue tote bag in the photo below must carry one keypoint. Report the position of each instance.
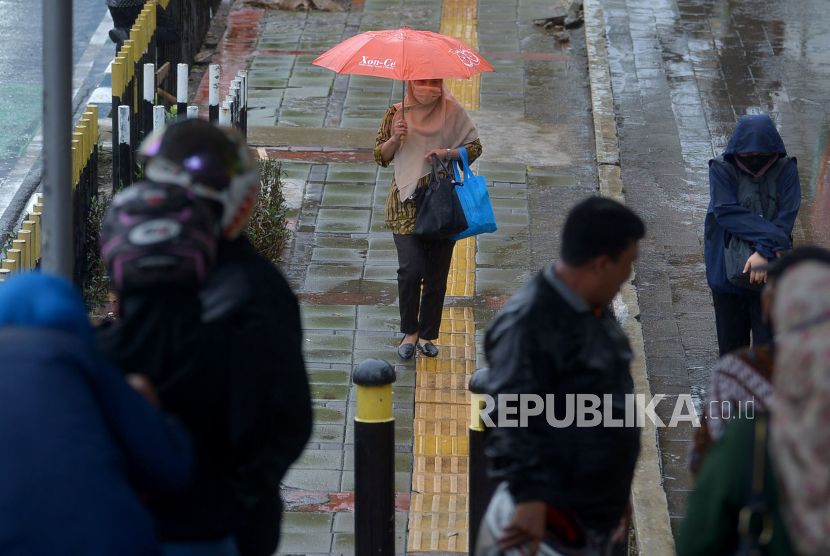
(475, 200)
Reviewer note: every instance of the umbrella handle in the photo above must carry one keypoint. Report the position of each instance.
(403, 110)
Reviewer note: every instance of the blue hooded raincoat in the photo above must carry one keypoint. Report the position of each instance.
(755, 133)
(75, 438)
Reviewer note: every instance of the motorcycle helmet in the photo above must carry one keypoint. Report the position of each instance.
(211, 161)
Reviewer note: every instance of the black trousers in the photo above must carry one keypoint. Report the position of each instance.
(260, 527)
(427, 261)
(735, 317)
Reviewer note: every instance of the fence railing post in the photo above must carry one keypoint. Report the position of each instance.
(225, 114)
(159, 116)
(125, 162)
(243, 76)
(215, 73)
(374, 459)
(480, 488)
(235, 98)
(149, 99)
(181, 92)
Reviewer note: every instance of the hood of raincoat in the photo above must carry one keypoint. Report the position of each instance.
(40, 300)
(755, 133)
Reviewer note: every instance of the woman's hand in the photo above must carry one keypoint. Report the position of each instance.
(754, 261)
(399, 130)
(442, 154)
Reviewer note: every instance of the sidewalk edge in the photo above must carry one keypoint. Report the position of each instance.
(650, 508)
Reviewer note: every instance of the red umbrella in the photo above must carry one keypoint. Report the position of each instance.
(405, 54)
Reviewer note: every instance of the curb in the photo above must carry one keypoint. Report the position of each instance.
(650, 509)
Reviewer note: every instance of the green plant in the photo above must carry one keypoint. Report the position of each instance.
(267, 228)
(96, 284)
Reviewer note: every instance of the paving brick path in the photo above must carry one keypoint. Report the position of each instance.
(538, 157)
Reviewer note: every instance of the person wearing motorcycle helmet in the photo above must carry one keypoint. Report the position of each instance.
(236, 366)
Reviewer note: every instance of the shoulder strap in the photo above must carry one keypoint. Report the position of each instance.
(750, 537)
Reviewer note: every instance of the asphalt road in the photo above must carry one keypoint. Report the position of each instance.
(21, 79)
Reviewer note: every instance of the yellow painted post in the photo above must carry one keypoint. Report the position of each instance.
(29, 244)
(91, 115)
(77, 147)
(33, 225)
(23, 249)
(11, 262)
(82, 135)
(118, 75)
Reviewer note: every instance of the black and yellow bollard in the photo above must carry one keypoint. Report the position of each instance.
(374, 459)
(480, 487)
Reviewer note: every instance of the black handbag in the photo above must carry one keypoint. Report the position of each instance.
(438, 211)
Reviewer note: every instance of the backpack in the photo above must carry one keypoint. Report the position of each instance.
(158, 235)
(759, 196)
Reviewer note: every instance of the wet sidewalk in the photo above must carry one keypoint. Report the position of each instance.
(683, 72)
(538, 157)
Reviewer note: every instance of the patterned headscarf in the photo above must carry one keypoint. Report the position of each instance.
(800, 425)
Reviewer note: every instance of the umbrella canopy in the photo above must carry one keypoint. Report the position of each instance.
(404, 54)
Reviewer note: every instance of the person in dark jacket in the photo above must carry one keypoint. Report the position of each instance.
(755, 195)
(125, 12)
(557, 337)
(227, 358)
(77, 439)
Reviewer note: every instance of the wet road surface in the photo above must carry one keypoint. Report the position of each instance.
(21, 46)
(683, 72)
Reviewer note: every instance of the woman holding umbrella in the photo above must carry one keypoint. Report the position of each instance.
(432, 123)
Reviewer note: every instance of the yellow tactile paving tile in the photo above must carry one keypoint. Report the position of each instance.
(459, 19)
(436, 465)
(435, 445)
(440, 483)
(461, 280)
(438, 522)
(438, 506)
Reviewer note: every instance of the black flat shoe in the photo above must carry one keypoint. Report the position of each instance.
(406, 351)
(428, 349)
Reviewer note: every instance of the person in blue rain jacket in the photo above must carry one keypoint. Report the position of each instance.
(76, 438)
(755, 195)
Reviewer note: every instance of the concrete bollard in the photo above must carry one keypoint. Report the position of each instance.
(374, 459)
(159, 115)
(125, 165)
(181, 92)
(213, 93)
(480, 487)
(192, 112)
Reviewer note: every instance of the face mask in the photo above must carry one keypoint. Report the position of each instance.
(755, 162)
(425, 94)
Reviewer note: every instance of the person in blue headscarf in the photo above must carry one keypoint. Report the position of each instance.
(76, 439)
(755, 195)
